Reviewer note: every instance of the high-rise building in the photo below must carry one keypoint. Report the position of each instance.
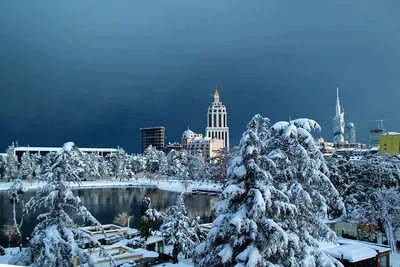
(338, 121)
(154, 136)
(217, 121)
(350, 133)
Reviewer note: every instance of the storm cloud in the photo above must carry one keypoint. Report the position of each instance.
(94, 72)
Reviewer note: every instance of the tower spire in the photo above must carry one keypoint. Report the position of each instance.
(216, 95)
(337, 102)
(337, 95)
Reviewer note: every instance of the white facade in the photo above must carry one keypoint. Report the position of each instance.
(350, 133)
(338, 122)
(217, 121)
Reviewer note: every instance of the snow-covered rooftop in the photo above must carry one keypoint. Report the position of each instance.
(188, 134)
(392, 133)
(55, 149)
(352, 253)
(153, 128)
(379, 248)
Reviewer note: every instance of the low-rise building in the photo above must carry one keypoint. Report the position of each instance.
(19, 151)
(206, 146)
(188, 136)
(390, 143)
(174, 146)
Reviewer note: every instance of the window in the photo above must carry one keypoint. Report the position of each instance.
(383, 260)
(215, 120)
(209, 120)
(219, 120)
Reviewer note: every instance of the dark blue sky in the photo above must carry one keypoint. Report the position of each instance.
(94, 72)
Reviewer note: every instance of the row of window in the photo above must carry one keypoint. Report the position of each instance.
(216, 110)
(221, 120)
(219, 135)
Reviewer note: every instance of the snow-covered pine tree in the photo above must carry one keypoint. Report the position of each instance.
(103, 167)
(373, 179)
(301, 174)
(44, 163)
(11, 165)
(92, 165)
(381, 208)
(27, 167)
(339, 173)
(137, 164)
(119, 164)
(259, 222)
(221, 162)
(179, 231)
(195, 165)
(2, 163)
(366, 176)
(56, 239)
(178, 164)
(152, 159)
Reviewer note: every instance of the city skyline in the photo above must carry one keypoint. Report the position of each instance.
(81, 73)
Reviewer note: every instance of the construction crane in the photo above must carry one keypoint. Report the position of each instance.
(380, 126)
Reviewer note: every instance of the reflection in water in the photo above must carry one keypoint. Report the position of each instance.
(106, 203)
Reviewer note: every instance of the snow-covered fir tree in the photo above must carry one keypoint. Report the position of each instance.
(381, 208)
(179, 231)
(119, 164)
(372, 190)
(155, 159)
(92, 165)
(44, 163)
(196, 165)
(2, 163)
(56, 239)
(137, 163)
(221, 162)
(263, 220)
(178, 164)
(368, 175)
(27, 167)
(11, 165)
(339, 172)
(301, 171)
(103, 167)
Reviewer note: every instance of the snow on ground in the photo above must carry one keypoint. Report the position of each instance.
(169, 264)
(395, 259)
(171, 185)
(9, 253)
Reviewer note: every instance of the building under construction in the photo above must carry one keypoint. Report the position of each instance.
(375, 133)
(154, 136)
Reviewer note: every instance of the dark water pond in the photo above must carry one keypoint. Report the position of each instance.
(106, 203)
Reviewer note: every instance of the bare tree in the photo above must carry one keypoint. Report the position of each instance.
(13, 193)
(123, 219)
(10, 232)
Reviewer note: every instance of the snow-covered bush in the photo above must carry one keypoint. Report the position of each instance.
(123, 219)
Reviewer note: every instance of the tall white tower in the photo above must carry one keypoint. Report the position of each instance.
(338, 121)
(217, 121)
